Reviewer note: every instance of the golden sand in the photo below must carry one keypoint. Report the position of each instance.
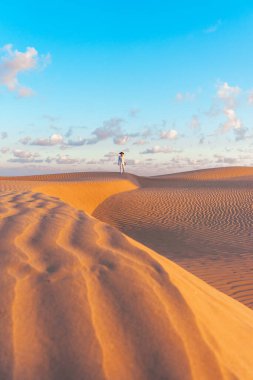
(81, 300)
(204, 226)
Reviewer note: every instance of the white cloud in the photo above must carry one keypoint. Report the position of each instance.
(54, 139)
(169, 135)
(228, 94)
(14, 62)
(232, 122)
(157, 149)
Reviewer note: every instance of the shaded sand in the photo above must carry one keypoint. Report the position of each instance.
(80, 300)
(205, 226)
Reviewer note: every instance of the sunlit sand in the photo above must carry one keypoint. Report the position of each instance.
(92, 289)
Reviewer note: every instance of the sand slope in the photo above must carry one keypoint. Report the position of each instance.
(205, 226)
(81, 301)
(86, 195)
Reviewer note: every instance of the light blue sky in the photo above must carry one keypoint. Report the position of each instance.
(171, 84)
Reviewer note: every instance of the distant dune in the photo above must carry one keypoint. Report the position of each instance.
(81, 300)
(212, 174)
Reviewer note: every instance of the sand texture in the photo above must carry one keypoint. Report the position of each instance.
(201, 220)
(80, 300)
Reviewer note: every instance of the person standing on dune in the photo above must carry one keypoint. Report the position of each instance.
(121, 162)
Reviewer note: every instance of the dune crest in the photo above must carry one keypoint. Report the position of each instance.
(86, 195)
(82, 301)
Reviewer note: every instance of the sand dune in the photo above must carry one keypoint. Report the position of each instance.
(80, 300)
(206, 229)
(212, 174)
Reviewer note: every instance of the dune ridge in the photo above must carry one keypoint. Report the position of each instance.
(82, 301)
(86, 195)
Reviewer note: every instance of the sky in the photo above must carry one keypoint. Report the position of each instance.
(170, 84)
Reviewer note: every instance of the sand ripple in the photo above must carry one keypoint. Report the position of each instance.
(207, 230)
(81, 301)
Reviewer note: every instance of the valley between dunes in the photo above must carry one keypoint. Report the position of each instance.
(91, 287)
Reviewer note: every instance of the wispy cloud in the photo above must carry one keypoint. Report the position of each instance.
(219, 159)
(213, 28)
(69, 132)
(64, 160)
(50, 118)
(25, 140)
(110, 128)
(80, 141)
(133, 112)
(133, 162)
(22, 156)
(121, 140)
(14, 62)
(195, 122)
(250, 98)
(5, 150)
(3, 135)
(202, 140)
(184, 97)
(140, 142)
(54, 139)
(158, 149)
